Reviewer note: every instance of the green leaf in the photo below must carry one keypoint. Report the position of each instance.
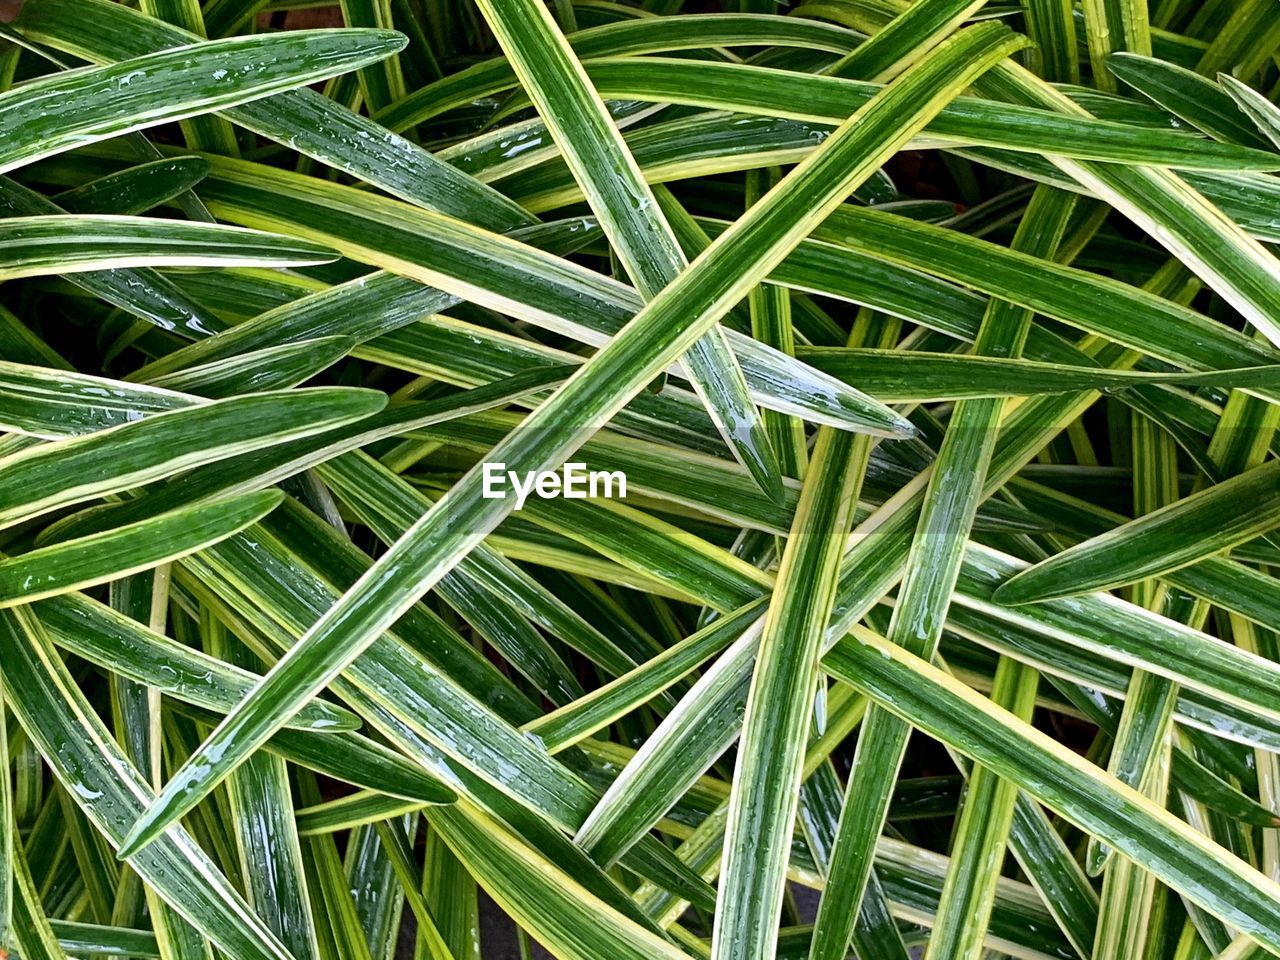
(100, 635)
(260, 799)
(966, 121)
(933, 565)
(384, 83)
(680, 749)
(565, 916)
(349, 758)
(1051, 24)
(32, 934)
(36, 246)
(1034, 310)
(981, 833)
(408, 692)
(1172, 212)
(1114, 25)
(135, 189)
(1239, 35)
(82, 938)
(96, 103)
(900, 375)
(102, 31)
(1181, 336)
(1194, 98)
(906, 39)
(271, 463)
(47, 477)
(141, 291)
(272, 368)
(74, 564)
(767, 776)
(568, 725)
(51, 403)
(209, 133)
(1263, 113)
(1138, 750)
(642, 36)
(1175, 536)
(7, 825)
(369, 307)
(553, 293)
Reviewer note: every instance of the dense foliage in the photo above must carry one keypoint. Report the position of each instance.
(938, 343)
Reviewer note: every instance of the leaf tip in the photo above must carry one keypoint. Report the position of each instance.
(154, 820)
(132, 843)
(904, 429)
(1015, 592)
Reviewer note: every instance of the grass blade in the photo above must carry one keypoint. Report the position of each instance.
(135, 189)
(36, 246)
(982, 831)
(100, 635)
(828, 100)
(1174, 536)
(46, 477)
(762, 807)
(1192, 97)
(1051, 24)
(542, 899)
(1111, 26)
(96, 103)
(1177, 216)
(553, 293)
(7, 822)
(69, 566)
(143, 292)
(1263, 113)
(884, 314)
(907, 38)
(102, 32)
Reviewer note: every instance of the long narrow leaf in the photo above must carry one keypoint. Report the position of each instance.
(601, 387)
(100, 102)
